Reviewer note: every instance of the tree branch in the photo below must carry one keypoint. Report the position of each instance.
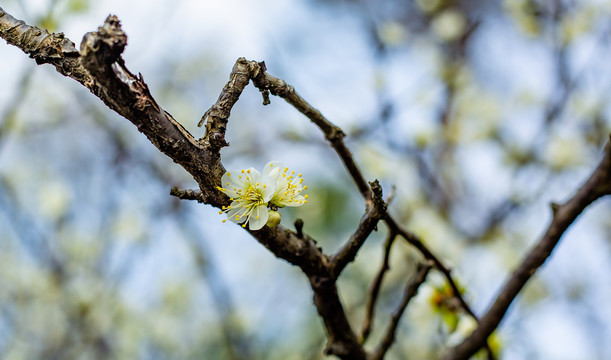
(187, 194)
(598, 185)
(268, 83)
(342, 341)
(218, 114)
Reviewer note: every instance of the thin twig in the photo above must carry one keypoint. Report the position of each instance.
(410, 291)
(266, 82)
(415, 241)
(187, 194)
(374, 290)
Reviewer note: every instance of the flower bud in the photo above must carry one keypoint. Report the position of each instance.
(273, 218)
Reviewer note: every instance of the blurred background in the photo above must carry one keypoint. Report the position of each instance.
(480, 113)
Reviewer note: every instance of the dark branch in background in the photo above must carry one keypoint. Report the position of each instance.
(598, 185)
(410, 291)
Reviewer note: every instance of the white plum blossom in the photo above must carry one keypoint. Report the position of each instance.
(254, 196)
(288, 185)
(250, 193)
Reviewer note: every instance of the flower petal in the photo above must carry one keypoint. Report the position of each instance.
(268, 188)
(231, 182)
(252, 177)
(237, 213)
(258, 217)
(272, 166)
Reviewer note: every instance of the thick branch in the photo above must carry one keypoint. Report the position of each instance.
(342, 341)
(410, 291)
(43, 47)
(368, 223)
(100, 68)
(598, 185)
(129, 96)
(300, 251)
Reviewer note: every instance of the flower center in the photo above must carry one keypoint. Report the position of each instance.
(253, 194)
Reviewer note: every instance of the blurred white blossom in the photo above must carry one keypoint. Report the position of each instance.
(449, 25)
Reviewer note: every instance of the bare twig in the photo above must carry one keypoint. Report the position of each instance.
(410, 291)
(266, 82)
(413, 240)
(598, 185)
(187, 194)
(374, 290)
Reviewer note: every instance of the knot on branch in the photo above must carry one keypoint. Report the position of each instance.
(338, 349)
(377, 202)
(334, 134)
(299, 228)
(106, 44)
